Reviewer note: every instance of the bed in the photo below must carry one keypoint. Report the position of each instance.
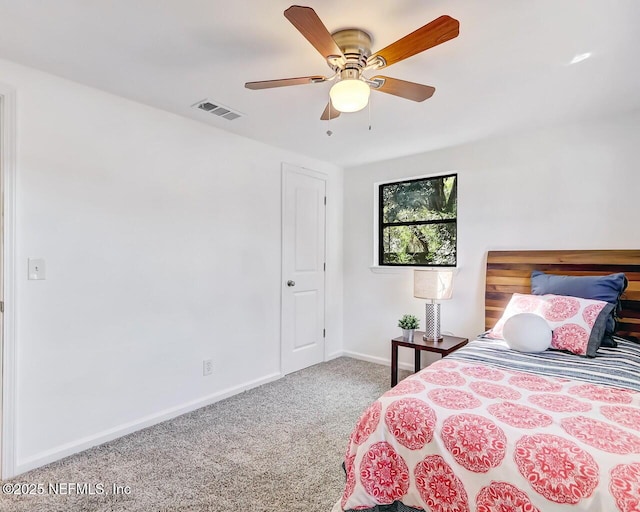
(492, 429)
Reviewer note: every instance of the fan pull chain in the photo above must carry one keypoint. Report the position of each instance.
(369, 105)
(329, 132)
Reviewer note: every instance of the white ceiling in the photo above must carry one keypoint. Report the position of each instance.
(508, 69)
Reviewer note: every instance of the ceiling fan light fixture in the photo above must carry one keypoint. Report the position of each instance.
(350, 95)
(348, 54)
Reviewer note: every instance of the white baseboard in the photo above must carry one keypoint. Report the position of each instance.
(85, 443)
(335, 355)
(378, 360)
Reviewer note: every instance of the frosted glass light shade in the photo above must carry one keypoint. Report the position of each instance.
(433, 284)
(349, 95)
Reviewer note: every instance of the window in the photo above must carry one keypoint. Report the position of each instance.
(418, 222)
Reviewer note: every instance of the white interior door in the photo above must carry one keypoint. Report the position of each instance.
(7, 281)
(303, 267)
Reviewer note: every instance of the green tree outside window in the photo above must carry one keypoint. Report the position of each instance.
(418, 222)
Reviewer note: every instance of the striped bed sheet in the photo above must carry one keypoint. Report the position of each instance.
(618, 367)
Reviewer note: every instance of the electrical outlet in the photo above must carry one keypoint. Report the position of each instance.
(207, 367)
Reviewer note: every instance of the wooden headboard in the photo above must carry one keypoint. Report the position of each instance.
(509, 272)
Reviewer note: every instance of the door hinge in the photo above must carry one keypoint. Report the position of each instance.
(325, 267)
(325, 200)
(2, 306)
(324, 333)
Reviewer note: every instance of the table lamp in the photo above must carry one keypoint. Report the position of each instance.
(433, 285)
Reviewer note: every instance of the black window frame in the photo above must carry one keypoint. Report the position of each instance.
(382, 225)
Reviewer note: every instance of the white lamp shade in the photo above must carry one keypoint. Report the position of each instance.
(433, 284)
(349, 95)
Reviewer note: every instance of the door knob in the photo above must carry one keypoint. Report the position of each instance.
(291, 283)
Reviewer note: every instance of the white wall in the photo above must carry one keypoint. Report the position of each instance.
(162, 242)
(570, 187)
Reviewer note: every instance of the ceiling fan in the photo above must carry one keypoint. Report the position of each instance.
(348, 54)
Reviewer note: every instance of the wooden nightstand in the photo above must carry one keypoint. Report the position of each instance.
(445, 347)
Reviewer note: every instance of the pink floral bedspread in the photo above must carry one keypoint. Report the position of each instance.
(467, 437)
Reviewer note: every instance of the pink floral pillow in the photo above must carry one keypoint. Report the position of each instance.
(578, 325)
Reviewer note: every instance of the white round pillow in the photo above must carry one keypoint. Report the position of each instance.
(526, 332)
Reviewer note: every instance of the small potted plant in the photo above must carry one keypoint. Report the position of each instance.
(408, 324)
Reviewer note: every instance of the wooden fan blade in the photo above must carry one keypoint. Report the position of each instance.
(404, 89)
(440, 30)
(283, 82)
(329, 112)
(310, 26)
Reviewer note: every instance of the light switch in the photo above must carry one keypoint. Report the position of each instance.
(37, 268)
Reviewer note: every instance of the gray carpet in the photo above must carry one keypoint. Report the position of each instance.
(278, 447)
